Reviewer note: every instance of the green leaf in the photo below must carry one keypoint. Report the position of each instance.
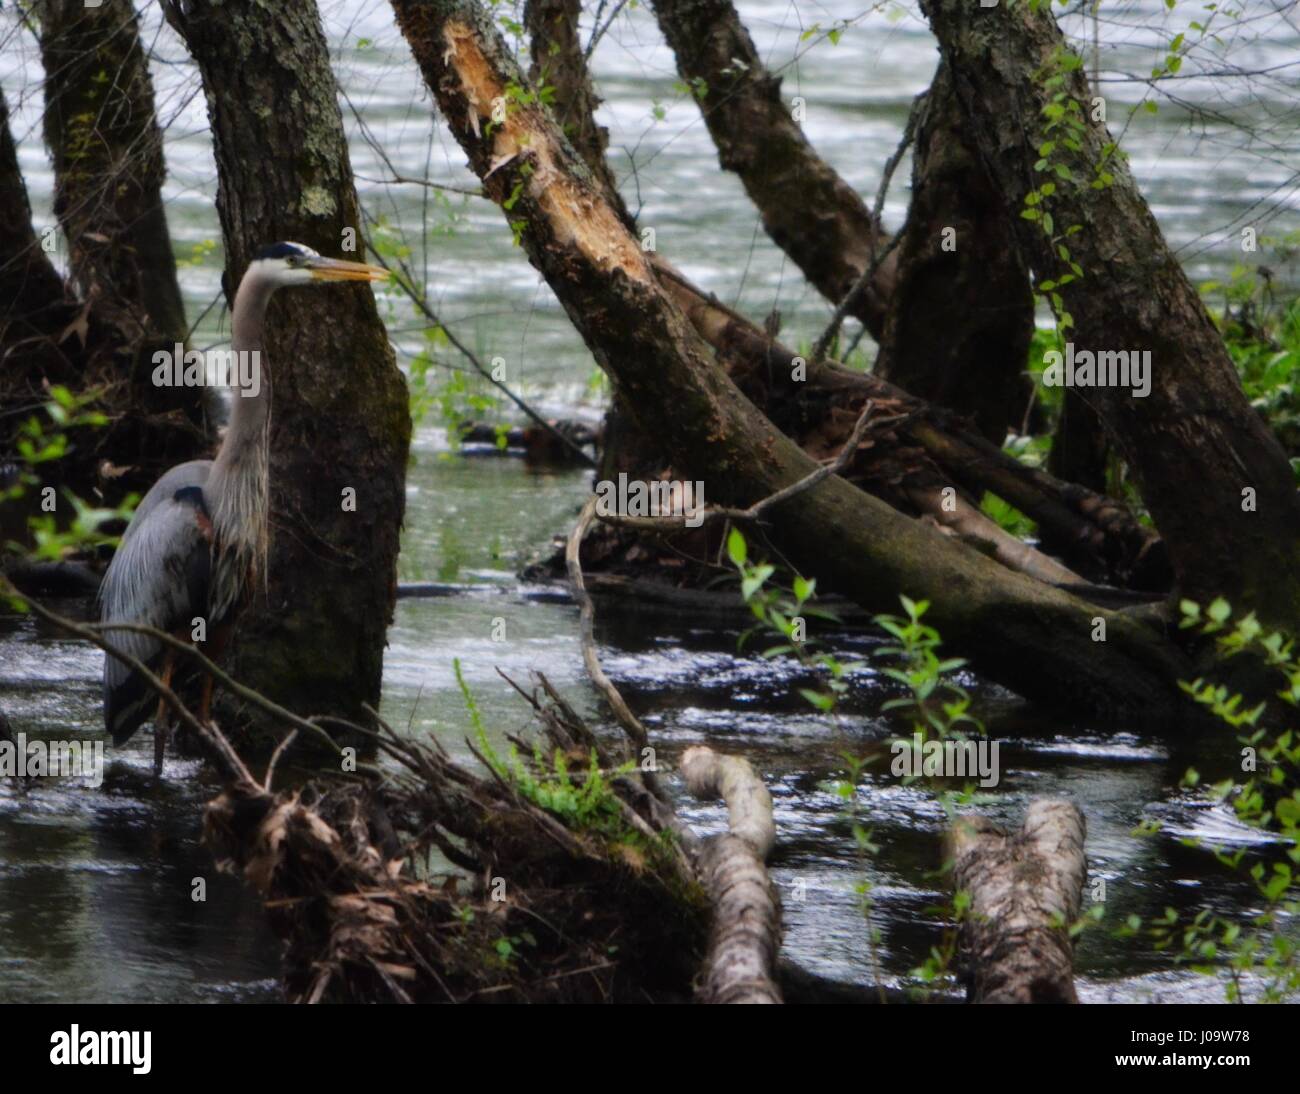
(817, 699)
(1219, 610)
(736, 548)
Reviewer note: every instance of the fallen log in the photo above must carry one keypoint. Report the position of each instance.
(1096, 534)
(746, 933)
(1025, 891)
(67, 578)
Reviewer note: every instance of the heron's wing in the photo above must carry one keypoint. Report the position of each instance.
(159, 577)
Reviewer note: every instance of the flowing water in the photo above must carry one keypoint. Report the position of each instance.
(96, 882)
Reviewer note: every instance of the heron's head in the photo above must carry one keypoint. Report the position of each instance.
(286, 264)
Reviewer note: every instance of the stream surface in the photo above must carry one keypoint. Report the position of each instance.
(96, 882)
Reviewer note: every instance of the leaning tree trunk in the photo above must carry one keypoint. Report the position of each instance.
(811, 213)
(1215, 479)
(961, 314)
(558, 63)
(35, 309)
(340, 421)
(1024, 633)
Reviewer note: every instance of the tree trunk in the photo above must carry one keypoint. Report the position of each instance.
(558, 64)
(809, 211)
(36, 307)
(1216, 481)
(1020, 631)
(340, 420)
(107, 148)
(1079, 444)
(961, 314)
(108, 172)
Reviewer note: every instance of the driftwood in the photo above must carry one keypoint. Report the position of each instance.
(1025, 889)
(52, 578)
(746, 932)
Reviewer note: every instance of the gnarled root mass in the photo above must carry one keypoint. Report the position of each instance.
(574, 881)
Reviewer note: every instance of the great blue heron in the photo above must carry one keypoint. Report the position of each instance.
(197, 542)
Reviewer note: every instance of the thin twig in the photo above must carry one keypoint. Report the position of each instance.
(586, 619)
(289, 738)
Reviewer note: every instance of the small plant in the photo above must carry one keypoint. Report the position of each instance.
(1259, 949)
(41, 443)
(786, 613)
(582, 801)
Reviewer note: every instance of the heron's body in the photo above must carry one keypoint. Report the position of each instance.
(197, 542)
(160, 576)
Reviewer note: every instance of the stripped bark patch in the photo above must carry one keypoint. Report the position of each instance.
(577, 216)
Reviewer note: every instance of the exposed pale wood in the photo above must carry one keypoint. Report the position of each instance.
(1025, 888)
(746, 933)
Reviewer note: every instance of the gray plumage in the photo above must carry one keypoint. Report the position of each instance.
(159, 577)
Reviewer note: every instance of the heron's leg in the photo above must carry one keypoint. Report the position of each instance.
(205, 700)
(162, 718)
(214, 648)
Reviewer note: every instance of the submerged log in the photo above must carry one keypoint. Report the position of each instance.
(1025, 888)
(746, 933)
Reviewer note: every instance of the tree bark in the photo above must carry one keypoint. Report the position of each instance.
(1025, 890)
(1217, 483)
(35, 304)
(340, 415)
(107, 148)
(809, 211)
(1020, 631)
(961, 313)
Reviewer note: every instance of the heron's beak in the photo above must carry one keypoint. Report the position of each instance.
(337, 269)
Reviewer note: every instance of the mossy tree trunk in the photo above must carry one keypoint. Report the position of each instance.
(103, 135)
(961, 313)
(122, 301)
(1034, 638)
(341, 423)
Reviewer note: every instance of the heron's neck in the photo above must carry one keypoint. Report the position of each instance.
(238, 483)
